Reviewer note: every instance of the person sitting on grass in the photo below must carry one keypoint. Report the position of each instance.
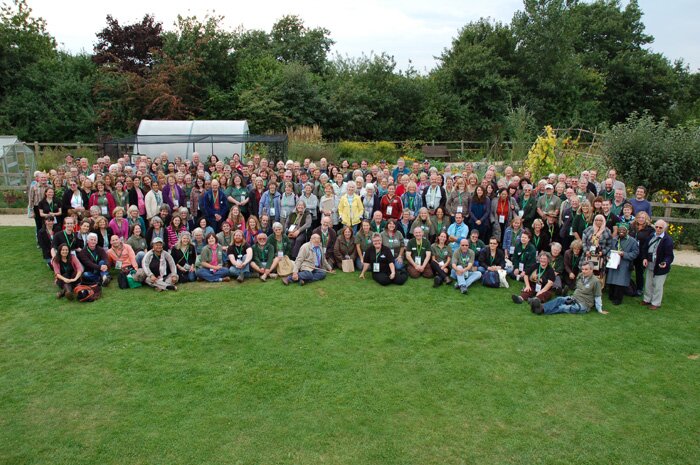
(67, 271)
(380, 258)
(240, 254)
(491, 258)
(418, 256)
(94, 260)
(185, 256)
(440, 258)
(264, 258)
(524, 256)
(158, 270)
(344, 248)
(328, 238)
(463, 269)
(212, 258)
(310, 265)
(588, 294)
(538, 280)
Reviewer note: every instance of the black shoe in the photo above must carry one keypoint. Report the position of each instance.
(536, 306)
(464, 290)
(170, 287)
(516, 299)
(240, 278)
(437, 281)
(301, 282)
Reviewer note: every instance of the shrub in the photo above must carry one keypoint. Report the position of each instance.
(650, 153)
(51, 158)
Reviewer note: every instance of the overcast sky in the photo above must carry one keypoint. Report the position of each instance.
(407, 29)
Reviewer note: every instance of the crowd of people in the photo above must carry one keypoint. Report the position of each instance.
(162, 222)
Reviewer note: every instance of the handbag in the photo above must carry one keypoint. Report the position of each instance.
(133, 283)
(490, 279)
(285, 267)
(348, 266)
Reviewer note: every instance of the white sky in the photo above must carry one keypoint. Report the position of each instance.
(408, 29)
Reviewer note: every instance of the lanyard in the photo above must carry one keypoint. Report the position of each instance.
(70, 243)
(525, 202)
(575, 260)
(419, 249)
(186, 255)
(540, 272)
(536, 240)
(324, 238)
(439, 226)
(94, 257)
(491, 259)
(263, 253)
(464, 259)
(547, 202)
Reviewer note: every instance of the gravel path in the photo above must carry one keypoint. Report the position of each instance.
(683, 257)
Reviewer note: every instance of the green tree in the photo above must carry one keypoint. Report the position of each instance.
(557, 86)
(610, 40)
(292, 41)
(480, 71)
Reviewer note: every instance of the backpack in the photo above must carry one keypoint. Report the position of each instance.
(490, 279)
(85, 293)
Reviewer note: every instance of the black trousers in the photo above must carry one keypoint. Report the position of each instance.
(383, 278)
(437, 271)
(616, 293)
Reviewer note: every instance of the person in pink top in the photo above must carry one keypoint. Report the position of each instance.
(118, 224)
(121, 256)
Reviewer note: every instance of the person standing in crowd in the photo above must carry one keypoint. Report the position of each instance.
(618, 278)
(658, 257)
(215, 206)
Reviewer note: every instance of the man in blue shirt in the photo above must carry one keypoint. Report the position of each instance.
(457, 231)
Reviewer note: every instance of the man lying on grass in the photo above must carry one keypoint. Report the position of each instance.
(587, 294)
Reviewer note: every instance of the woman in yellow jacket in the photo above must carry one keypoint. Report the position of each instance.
(350, 208)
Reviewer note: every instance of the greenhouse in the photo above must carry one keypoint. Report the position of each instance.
(17, 162)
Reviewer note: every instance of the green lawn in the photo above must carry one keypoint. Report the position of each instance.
(341, 371)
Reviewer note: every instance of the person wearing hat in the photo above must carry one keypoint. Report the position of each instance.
(426, 166)
(548, 202)
(618, 278)
(551, 226)
(158, 268)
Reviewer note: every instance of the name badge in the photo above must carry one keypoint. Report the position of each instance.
(501, 218)
(375, 268)
(103, 209)
(592, 249)
(118, 265)
(460, 209)
(511, 250)
(418, 261)
(389, 210)
(176, 203)
(272, 211)
(538, 287)
(441, 264)
(292, 227)
(189, 204)
(521, 266)
(405, 242)
(72, 252)
(280, 254)
(264, 264)
(571, 231)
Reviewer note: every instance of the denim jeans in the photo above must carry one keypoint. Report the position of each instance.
(245, 271)
(94, 277)
(467, 278)
(559, 305)
(310, 276)
(212, 276)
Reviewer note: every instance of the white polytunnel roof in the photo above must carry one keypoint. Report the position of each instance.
(187, 132)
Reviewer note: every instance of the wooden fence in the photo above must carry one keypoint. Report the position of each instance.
(669, 218)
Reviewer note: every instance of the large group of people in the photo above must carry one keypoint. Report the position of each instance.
(162, 222)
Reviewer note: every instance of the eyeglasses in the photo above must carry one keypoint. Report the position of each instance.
(659, 227)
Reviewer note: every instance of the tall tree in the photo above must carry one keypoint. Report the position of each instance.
(291, 40)
(480, 71)
(132, 48)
